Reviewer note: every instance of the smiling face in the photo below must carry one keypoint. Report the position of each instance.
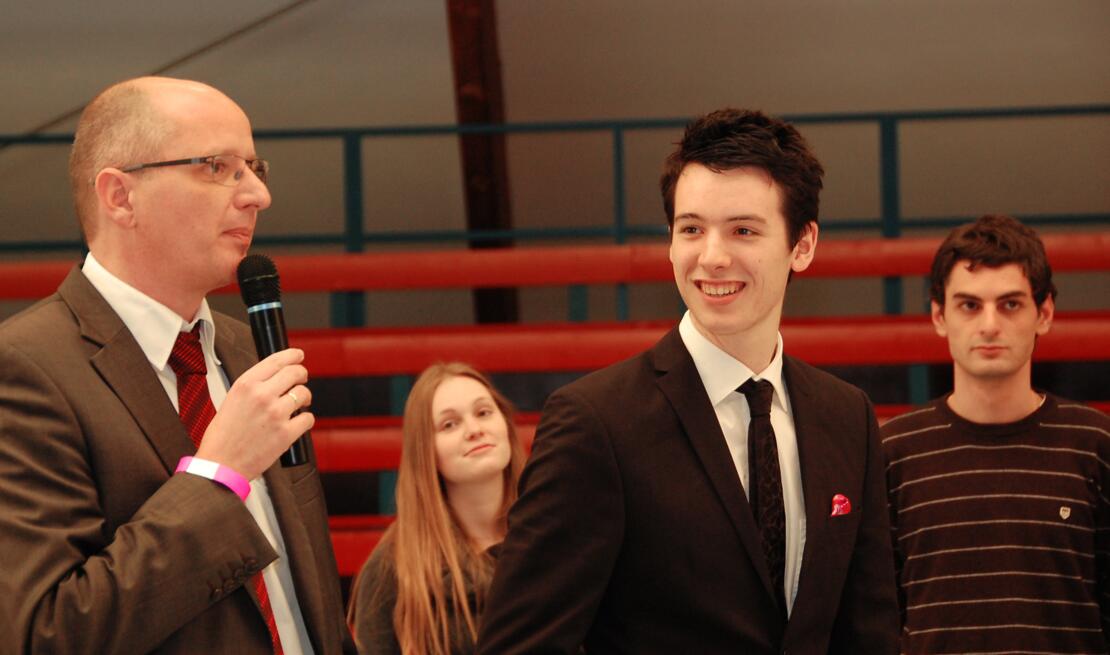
(732, 258)
(991, 322)
(471, 434)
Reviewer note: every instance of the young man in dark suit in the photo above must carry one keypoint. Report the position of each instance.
(141, 509)
(710, 495)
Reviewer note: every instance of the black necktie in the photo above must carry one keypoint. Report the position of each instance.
(765, 481)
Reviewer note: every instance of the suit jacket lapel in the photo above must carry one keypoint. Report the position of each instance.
(126, 370)
(299, 550)
(681, 384)
(814, 445)
(236, 357)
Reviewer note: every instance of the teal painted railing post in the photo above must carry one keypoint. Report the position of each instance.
(620, 220)
(891, 201)
(893, 303)
(399, 387)
(578, 303)
(348, 308)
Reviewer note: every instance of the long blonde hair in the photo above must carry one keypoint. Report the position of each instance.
(432, 555)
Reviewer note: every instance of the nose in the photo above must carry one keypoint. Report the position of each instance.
(472, 427)
(252, 192)
(988, 321)
(713, 254)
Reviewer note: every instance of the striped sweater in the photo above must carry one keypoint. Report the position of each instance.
(1001, 532)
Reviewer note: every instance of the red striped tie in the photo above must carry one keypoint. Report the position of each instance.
(194, 404)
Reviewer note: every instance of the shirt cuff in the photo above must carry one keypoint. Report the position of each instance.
(217, 473)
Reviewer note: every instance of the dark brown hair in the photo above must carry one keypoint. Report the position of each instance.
(731, 138)
(994, 240)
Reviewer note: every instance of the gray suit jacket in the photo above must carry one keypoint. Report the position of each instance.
(633, 534)
(102, 549)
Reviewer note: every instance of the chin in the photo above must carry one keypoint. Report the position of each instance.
(224, 274)
(722, 326)
(992, 372)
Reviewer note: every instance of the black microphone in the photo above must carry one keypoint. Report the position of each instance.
(261, 290)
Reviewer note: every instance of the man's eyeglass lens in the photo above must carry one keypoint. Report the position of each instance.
(229, 169)
(222, 169)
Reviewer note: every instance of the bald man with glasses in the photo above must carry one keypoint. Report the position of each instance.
(141, 509)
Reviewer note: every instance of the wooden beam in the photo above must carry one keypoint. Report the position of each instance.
(478, 99)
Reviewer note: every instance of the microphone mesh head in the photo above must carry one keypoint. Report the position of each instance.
(258, 280)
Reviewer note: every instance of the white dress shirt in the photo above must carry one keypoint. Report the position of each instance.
(155, 328)
(722, 374)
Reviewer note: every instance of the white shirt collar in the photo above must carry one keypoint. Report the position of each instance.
(721, 373)
(153, 325)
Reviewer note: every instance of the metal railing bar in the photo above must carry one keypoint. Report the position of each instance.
(625, 124)
(540, 234)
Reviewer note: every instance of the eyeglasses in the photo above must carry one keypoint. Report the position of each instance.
(227, 170)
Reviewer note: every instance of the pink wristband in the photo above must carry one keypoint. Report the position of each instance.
(217, 473)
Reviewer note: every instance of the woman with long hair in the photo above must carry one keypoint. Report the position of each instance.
(422, 590)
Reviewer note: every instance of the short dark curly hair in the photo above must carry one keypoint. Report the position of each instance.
(732, 138)
(993, 240)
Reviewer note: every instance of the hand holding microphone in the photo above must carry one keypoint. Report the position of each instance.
(261, 291)
(261, 417)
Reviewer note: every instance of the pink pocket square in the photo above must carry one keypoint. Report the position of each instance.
(841, 505)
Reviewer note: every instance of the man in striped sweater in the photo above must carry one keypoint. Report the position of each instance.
(998, 491)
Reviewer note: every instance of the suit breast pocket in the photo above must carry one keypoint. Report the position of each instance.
(306, 484)
(839, 532)
(842, 523)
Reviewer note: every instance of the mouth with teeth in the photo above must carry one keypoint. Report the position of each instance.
(719, 289)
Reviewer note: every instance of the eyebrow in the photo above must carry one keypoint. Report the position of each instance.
(730, 219)
(450, 411)
(480, 400)
(960, 295)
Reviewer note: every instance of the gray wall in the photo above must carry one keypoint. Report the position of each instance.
(348, 63)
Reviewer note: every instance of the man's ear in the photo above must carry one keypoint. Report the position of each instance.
(113, 195)
(1044, 315)
(937, 313)
(806, 247)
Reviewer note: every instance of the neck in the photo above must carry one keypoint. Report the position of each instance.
(756, 359)
(994, 400)
(754, 349)
(477, 507)
(183, 302)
